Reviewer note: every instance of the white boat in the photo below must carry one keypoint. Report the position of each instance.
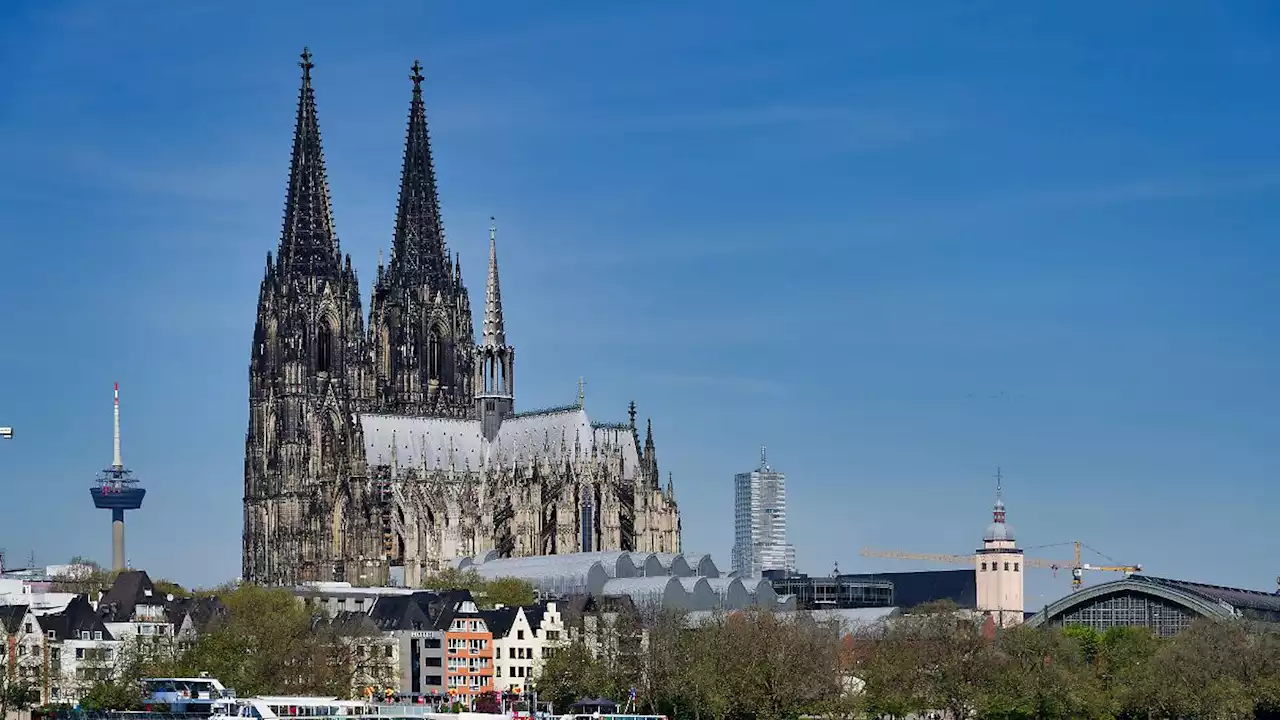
(300, 707)
(297, 707)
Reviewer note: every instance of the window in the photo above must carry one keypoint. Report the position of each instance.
(553, 635)
(324, 348)
(51, 635)
(1015, 567)
(433, 643)
(97, 634)
(984, 567)
(497, 653)
(1006, 567)
(388, 649)
(433, 357)
(519, 634)
(79, 653)
(431, 661)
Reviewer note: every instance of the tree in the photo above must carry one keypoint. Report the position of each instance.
(507, 591)
(269, 643)
(1203, 672)
(570, 673)
(486, 593)
(1041, 674)
(84, 577)
(16, 695)
(110, 695)
(168, 587)
(451, 578)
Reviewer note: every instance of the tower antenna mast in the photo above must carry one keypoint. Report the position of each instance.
(117, 490)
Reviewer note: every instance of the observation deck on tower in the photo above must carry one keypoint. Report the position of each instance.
(117, 490)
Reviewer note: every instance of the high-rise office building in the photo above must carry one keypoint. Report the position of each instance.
(760, 522)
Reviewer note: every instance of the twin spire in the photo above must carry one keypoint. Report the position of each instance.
(418, 252)
(419, 255)
(308, 241)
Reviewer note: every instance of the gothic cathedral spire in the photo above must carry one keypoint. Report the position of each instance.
(305, 373)
(494, 333)
(495, 381)
(420, 321)
(308, 243)
(418, 254)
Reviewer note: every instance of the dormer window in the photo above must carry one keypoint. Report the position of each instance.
(84, 635)
(97, 634)
(51, 635)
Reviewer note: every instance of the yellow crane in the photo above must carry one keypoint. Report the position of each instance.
(1077, 567)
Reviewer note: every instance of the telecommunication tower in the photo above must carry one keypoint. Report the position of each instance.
(117, 490)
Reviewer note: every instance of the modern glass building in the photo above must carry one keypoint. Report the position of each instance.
(760, 522)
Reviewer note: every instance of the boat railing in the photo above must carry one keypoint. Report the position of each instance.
(404, 711)
(133, 715)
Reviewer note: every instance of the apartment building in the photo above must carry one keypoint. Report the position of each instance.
(523, 638)
(61, 644)
(469, 645)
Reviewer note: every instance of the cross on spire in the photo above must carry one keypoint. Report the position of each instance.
(582, 391)
(998, 512)
(419, 255)
(308, 242)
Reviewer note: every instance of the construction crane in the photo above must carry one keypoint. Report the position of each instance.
(1077, 567)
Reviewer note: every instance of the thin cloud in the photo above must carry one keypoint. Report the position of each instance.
(229, 183)
(1155, 189)
(736, 384)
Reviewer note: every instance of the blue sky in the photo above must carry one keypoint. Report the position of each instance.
(899, 246)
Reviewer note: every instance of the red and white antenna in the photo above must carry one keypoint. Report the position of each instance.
(117, 463)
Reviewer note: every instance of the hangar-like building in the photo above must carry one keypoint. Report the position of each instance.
(1164, 606)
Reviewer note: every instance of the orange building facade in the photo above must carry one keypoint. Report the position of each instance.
(469, 657)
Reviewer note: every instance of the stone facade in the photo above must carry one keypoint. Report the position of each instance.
(400, 446)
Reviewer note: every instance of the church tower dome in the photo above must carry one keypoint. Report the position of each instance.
(999, 567)
(998, 530)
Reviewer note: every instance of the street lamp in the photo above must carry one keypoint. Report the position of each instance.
(6, 433)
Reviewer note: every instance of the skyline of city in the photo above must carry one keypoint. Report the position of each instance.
(998, 250)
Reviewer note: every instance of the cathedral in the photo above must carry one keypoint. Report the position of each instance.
(394, 447)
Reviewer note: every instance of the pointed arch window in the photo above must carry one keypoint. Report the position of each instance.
(326, 451)
(386, 353)
(433, 356)
(324, 348)
(588, 519)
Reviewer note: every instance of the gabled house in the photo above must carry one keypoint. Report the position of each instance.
(79, 651)
(374, 653)
(20, 653)
(523, 637)
(192, 616)
(132, 608)
(468, 644)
